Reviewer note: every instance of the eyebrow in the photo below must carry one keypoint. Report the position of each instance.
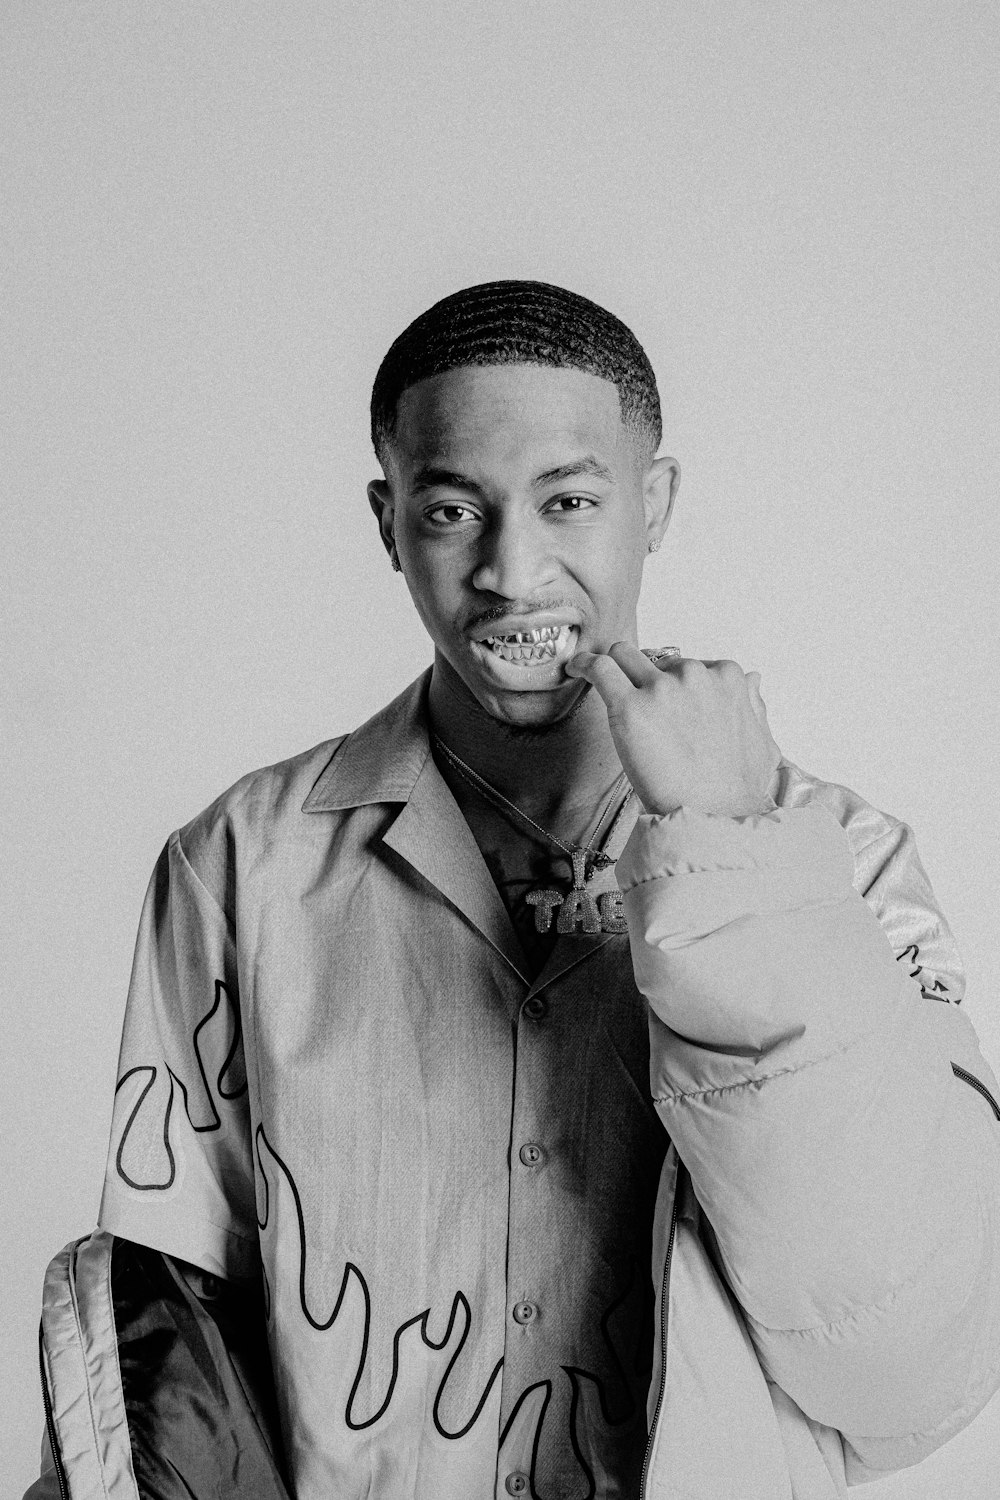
(430, 477)
(588, 465)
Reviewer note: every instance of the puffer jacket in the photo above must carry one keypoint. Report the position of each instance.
(826, 1244)
(831, 1266)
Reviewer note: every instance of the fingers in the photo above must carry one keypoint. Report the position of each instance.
(613, 673)
(602, 673)
(662, 657)
(624, 665)
(637, 667)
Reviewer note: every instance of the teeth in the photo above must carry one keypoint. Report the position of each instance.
(530, 646)
(528, 637)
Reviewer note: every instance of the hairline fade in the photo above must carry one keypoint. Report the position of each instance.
(518, 322)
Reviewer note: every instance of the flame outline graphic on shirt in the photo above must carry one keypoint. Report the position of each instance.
(227, 1092)
(460, 1303)
(229, 1084)
(539, 1394)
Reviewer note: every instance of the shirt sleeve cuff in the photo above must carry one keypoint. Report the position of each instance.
(213, 1248)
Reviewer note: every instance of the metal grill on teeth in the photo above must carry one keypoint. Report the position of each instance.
(529, 637)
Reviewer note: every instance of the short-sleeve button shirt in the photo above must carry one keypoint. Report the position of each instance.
(337, 1068)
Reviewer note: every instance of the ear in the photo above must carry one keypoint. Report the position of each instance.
(381, 501)
(658, 491)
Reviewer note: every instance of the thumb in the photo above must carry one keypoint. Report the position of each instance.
(756, 701)
(760, 711)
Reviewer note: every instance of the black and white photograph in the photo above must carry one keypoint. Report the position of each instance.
(501, 614)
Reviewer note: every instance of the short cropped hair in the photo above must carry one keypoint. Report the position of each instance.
(518, 322)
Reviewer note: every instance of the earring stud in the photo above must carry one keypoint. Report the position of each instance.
(654, 545)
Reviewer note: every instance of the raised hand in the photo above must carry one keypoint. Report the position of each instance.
(688, 733)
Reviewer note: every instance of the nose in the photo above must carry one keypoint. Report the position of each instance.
(514, 560)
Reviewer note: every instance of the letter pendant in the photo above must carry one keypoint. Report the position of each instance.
(579, 905)
(612, 908)
(578, 911)
(545, 903)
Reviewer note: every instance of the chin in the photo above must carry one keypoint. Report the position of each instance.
(535, 711)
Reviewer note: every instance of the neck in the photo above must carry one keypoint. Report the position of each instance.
(552, 772)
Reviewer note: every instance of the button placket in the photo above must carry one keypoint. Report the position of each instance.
(549, 1255)
(528, 1205)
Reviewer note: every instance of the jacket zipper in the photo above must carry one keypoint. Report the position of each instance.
(664, 1291)
(980, 1088)
(50, 1425)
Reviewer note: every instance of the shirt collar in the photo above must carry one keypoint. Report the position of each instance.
(381, 760)
(388, 759)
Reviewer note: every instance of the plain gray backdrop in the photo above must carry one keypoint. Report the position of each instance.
(215, 219)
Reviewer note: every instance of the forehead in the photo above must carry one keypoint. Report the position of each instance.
(509, 413)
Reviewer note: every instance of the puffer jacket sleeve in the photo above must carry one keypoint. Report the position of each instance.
(829, 1099)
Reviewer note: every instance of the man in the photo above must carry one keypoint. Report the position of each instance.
(582, 1082)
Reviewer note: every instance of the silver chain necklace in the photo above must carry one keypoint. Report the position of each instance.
(579, 911)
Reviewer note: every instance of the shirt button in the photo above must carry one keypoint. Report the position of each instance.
(524, 1312)
(531, 1154)
(535, 1008)
(517, 1484)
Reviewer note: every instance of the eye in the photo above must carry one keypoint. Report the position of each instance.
(570, 504)
(450, 514)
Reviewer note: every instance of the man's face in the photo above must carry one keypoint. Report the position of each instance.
(521, 509)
